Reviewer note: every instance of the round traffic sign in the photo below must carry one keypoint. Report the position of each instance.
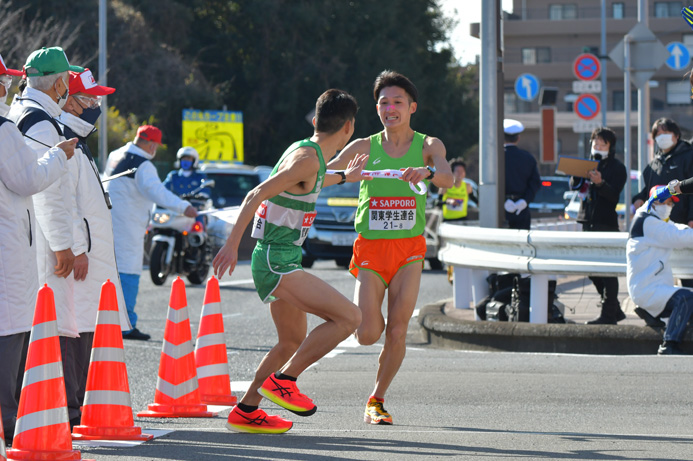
(679, 57)
(527, 87)
(587, 66)
(587, 106)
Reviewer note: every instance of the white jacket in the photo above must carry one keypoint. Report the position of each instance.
(93, 235)
(21, 176)
(54, 209)
(132, 204)
(651, 242)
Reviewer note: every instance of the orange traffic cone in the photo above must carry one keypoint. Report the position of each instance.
(107, 410)
(43, 428)
(210, 351)
(177, 394)
(3, 453)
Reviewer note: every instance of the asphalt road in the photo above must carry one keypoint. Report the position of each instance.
(445, 404)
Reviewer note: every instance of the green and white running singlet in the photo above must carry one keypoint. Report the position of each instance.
(388, 208)
(281, 224)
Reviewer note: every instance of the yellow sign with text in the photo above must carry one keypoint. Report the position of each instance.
(216, 135)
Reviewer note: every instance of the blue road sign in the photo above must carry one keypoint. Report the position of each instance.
(679, 57)
(587, 106)
(527, 87)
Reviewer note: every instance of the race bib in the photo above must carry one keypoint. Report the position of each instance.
(258, 231)
(392, 213)
(308, 219)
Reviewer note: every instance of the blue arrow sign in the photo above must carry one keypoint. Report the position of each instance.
(527, 87)
(679, 57)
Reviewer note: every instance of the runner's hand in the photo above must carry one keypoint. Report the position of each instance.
(225, 260)
(354, 171)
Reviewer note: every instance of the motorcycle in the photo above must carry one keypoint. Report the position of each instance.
(179, 244)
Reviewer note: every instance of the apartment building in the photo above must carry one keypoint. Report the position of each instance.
(543, 38)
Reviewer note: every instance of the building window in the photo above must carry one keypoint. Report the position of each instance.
(560, 12)
(679, 92)
(667, 9)
(537, 55)
(510, 103)
(617, 100)
(618, 10)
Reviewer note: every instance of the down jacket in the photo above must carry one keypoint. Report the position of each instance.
(21, 176)
(54, 207)
(650, 244)
(93, 226)
(133, 196)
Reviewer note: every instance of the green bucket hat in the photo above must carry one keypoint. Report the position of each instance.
(48, 61)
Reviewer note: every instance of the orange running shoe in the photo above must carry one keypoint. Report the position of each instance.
(256, 422)
(375, 413)
(284, 393)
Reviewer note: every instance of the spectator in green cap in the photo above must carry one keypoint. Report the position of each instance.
(35, 112)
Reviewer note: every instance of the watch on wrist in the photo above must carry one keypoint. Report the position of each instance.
(343, 175)
(432, 171)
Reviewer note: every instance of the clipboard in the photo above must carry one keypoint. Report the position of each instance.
(574, 166)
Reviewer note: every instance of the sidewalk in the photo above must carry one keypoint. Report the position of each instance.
(454, 328)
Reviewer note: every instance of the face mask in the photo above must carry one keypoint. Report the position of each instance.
(4, 108)
(63, 98)
(599, 154)
(91, 115)
(186, 164)
(662, 211)
(665, 141)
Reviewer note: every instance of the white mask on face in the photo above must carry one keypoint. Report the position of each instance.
(4, 108)
(662, 211)
(599, 154)
(665, 140)
(63, 98)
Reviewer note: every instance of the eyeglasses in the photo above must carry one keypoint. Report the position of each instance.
(88, 102)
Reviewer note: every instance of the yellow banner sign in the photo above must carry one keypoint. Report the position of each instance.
(216, 135)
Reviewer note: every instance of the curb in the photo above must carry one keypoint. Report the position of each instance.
(448, 332)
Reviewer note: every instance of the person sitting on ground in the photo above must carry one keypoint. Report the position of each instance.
(651, 286)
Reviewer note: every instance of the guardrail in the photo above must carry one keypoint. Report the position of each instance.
(476, 251)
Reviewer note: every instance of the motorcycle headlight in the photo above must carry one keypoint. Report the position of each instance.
(161, 218)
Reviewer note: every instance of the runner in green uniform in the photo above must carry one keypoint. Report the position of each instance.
(284, 208)
(390, 249)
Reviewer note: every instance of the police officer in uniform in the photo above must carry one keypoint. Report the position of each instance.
(521, 177)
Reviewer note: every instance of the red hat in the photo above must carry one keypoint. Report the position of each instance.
(83, 82)
(654, 188)
(5, 70)
(149, 133)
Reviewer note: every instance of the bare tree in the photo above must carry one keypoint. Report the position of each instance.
(19, 35)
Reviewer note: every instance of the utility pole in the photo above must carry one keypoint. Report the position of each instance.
(491, 156)
(103, 122)
(643, 111)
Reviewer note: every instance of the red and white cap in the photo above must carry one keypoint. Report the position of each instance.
(5, 70)
(83, 82)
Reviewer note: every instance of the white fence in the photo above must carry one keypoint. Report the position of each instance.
(476, 251)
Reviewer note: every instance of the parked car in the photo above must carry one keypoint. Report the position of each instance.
(551, 199)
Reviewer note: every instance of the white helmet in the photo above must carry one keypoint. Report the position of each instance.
(190, 152)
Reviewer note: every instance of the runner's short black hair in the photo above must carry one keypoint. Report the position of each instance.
(333, 109)
(455, 162)
(392, 78)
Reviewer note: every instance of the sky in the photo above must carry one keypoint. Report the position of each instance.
(465, 46)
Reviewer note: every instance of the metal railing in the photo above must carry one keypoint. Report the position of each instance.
(476, 251)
